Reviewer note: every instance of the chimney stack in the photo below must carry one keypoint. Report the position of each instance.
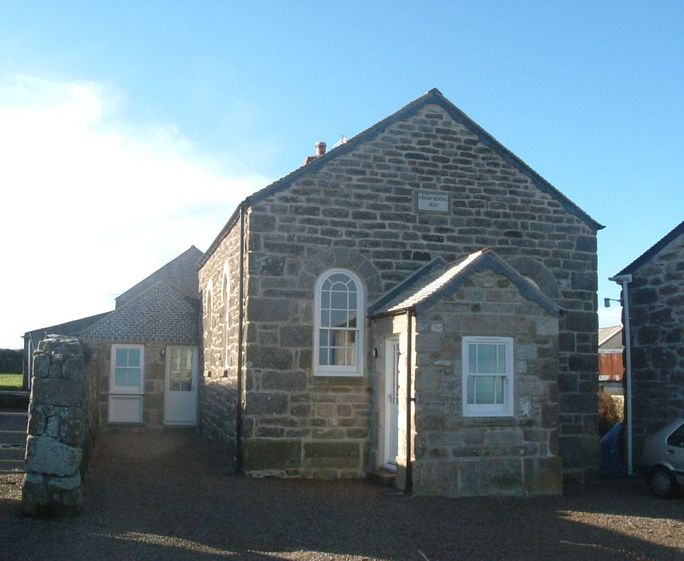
(320, 152)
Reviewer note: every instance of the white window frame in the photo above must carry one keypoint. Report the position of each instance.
(128, 390)
(357, 369)
(504, 409)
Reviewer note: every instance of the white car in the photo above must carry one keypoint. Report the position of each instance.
(663, 458)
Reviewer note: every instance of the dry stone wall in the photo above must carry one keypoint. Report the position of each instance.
(59, 429)
(657, 324)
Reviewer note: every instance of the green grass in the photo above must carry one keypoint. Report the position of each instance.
(10, 382)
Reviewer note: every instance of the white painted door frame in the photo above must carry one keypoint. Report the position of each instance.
(391, 403)
(180, 398)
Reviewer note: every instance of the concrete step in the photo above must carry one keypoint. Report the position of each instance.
(12, 452)
(13, 437)
(14, 400)
(13, 420)
(382, 477)
(7, 466)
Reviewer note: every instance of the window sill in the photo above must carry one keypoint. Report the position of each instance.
(466, 422)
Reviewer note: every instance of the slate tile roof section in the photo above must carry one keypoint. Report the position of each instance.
(434, 96)
(159, 314)
(180, 272)
(445, 280)
(653, 250)
(73, 327)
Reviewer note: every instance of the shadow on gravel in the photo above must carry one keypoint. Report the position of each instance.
(161, 497)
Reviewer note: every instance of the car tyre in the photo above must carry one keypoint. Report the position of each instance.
(662, 482)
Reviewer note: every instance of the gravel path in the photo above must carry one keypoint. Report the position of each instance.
(162, 497)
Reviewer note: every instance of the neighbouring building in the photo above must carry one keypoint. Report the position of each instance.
(611, 369)
(417, 300)
(144, 354)
(656, 301)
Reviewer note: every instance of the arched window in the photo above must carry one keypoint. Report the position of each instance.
(339, 317)
(225, 293)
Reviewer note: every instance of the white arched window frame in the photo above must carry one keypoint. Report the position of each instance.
(225, 295)
(339, 324)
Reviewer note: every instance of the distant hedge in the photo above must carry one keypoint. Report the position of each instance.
(10, 360)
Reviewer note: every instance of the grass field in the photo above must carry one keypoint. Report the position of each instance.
(10, 382)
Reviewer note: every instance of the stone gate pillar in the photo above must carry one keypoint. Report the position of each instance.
(56, 429)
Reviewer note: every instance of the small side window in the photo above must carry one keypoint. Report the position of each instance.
(487, 376)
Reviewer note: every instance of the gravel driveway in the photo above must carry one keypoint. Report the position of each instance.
(162, 497)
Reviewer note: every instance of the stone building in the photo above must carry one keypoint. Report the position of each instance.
(656, 301)
(144, 354)
(300, 346)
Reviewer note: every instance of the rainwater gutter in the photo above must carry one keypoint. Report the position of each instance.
(624, 281)
(408, 485)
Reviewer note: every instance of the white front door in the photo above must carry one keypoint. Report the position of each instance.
(391, 439)
(180, 386)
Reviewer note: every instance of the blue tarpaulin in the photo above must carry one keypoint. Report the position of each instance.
(612, 464)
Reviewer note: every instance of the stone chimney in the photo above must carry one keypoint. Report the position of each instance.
(320, 152)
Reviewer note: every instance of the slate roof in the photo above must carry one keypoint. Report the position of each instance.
(161, 313)
(73, 327)
(606, 334)
(653, 250)
(180, 272)
(434, 96)
(436, 281)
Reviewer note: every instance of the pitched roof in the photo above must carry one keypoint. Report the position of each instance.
(73, 327)
(431, 284)
(179, 271)
(160, 313)
(434, 96)
(607, 333)
(651, 252)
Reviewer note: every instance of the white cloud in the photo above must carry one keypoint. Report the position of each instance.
(92, 204)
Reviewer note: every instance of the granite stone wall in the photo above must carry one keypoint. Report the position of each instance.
(470, 456)
(657, 329)
(359, 211)
(60, 429)
(154, 369)
(218, 380)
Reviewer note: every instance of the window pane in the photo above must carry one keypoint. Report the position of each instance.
(500, 381)
(486, 358)
(323, 356)
(471, 389)
(325, 318)
(121, 357)
(502, 359)
(325, 299)
(352, 299)
(133, 357)
(339, 278)
(338, 300)
(352, 321)
(324, 337)
(338, 318)
(472, 358)
(133, 377)
(484, 389)
(186, 381)
(120, 378)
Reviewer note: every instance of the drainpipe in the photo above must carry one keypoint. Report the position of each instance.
(241, 318)
(624, 281)
(408, 486)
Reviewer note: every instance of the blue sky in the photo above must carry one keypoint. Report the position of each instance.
(131, 129)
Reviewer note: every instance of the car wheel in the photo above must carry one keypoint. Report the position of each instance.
(662, 482)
